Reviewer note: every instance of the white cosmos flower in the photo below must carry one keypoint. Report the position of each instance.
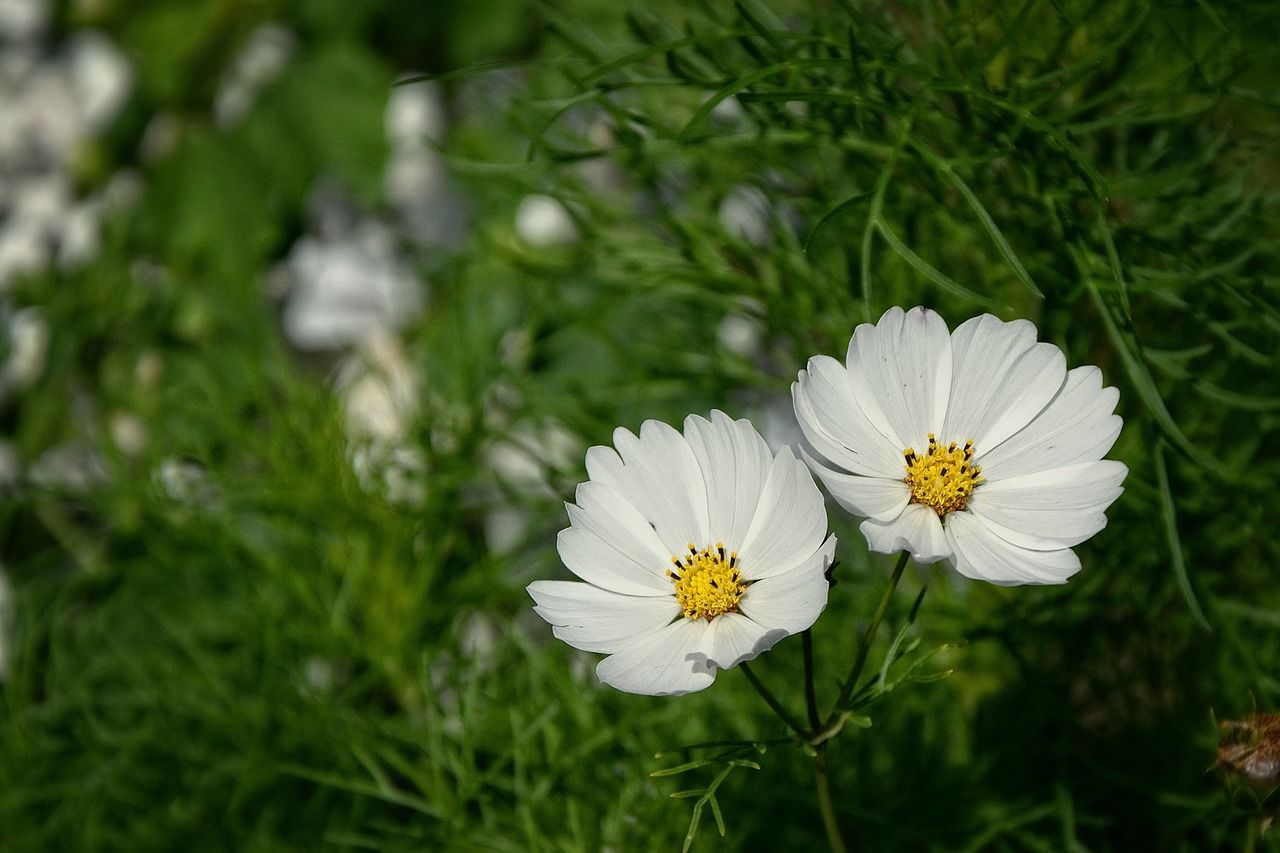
(978, 447)
(698, 551)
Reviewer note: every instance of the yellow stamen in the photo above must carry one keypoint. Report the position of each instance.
(708, 582)
(942, 479)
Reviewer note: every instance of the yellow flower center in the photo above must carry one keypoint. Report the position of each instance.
(708, 582)
(941, 478)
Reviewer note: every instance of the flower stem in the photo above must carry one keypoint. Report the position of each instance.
(771, 701)
(810, 697)
(864, 647)
(823, 784)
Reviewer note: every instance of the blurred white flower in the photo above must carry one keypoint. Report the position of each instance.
(978, 447)
(744, 213)
(28, 337)
(698, 551)
(741, 334)
(185, 483)
(100, 78)
(263, 58)
(415, 114)
(543, 221)
(128, 432)
(524, 463)
(73, 467)
(23, 20)
(50, 107)
(346, 287)
(379, 390)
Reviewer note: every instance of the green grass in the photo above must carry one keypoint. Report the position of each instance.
(288, 661)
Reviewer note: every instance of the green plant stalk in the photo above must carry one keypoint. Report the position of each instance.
(810, 696)
(773, 702)
(825, 806)
(864, 647)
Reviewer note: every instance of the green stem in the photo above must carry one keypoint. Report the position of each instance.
(864, 647)
(772, 702)
(1251, 835)
(823, 784)
(810, 696)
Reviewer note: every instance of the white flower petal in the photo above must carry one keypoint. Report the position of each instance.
(732, 638)
(870, 497)
(1050, 509)
(735, 463)
(793, 600)
(790, 520)
(862, 360)
(608, 544)
(983, 555)
(917, 530)
(907, 359)
(1001, 380)
(659, 475)
(834, 424)
(597, 620)
(1077, 426)
(666, 663)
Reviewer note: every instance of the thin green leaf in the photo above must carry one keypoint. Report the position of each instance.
(1113, 260)
(840, 208)
(984, 218)
(1168, 515)
(929, 271)
(1127, 349)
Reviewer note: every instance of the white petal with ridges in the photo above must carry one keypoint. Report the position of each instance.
(735, 462)
(1076, 426)
(908, 365)
(835, 425)
(790, 520)
(1001, 379)
(792, 601)
(597, 620)
(917, 530)
(666, 663)
(870, 497)
(659, 475)
(602, 562)
(981, 554)
(862, 360)
(1051, 509)
(732, 638)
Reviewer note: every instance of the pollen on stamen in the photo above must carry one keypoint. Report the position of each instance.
(711, 584)
(944, 478)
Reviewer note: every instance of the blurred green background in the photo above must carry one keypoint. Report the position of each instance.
(309, 310)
